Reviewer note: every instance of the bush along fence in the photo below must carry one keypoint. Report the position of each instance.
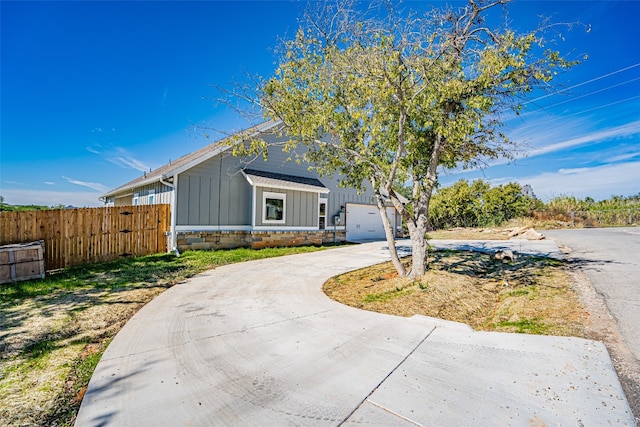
(87, 235)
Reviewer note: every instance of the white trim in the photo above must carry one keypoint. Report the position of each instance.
(151, 180)
(293, 187)
(203, 228)
(261, 128)
(277, 196)
(253, 206)
(285, 229)
(322, 200)
(197, 161)
(173, 201)
(197, 228)
(174, 211)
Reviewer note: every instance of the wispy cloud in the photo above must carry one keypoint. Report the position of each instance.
(120, 157)
(623, 157)
(165, 94)
(128, 162)
(625, 130)
(93, 185)
(50, 183)
(573, 171)
(599, 182)
(536, 136)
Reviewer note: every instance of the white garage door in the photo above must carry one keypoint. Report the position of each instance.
(364, 223)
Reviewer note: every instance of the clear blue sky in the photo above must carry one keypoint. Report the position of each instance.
(94, 93)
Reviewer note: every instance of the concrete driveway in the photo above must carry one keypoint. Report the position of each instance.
(258, 343)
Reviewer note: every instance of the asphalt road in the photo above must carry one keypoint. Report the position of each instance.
(610, 257)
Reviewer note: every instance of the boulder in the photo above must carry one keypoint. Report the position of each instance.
(504, 255)
(529, 234)
(517, 231)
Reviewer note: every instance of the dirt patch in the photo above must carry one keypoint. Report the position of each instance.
(44, 340)
(531, 295)
(460, 233)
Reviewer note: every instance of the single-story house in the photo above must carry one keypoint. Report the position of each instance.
(221, 201)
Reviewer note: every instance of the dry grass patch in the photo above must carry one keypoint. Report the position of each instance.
(54, 331)
(528, 295)
(46, 340)
(460, 233)
(494, 233)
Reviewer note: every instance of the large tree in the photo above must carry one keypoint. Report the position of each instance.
(387, 97)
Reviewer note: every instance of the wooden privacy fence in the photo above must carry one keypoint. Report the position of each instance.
(78, 236)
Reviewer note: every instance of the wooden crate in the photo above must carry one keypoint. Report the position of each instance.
(22, 261)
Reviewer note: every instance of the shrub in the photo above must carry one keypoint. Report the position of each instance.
(479, 205)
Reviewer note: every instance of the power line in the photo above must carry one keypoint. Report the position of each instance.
(565, 116)
(584, 83)
(597, 108)
(583, 95)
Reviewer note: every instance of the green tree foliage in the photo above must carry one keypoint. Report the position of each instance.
(567, 204)
(388, 97)
(478, 204)
(5, 207)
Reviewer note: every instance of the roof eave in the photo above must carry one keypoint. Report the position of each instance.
(129, 187)
(283, 185)
(222, 147)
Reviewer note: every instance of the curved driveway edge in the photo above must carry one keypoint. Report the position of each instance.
(258, 343)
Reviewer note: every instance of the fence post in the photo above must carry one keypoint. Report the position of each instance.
(573, 219)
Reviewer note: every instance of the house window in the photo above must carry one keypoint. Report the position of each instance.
(152, 196)
(273, 208)
(135, 199)
(322, 214)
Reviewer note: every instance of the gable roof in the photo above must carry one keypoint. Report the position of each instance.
(287, 182)
(187, 161)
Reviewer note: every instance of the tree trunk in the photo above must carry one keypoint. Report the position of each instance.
(390, 235)
(417, 234)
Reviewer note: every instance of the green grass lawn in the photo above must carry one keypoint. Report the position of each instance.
(54, 331)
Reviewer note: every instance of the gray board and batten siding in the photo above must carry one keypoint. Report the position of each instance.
(301, 208)
(216, 193)
(151, 194)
